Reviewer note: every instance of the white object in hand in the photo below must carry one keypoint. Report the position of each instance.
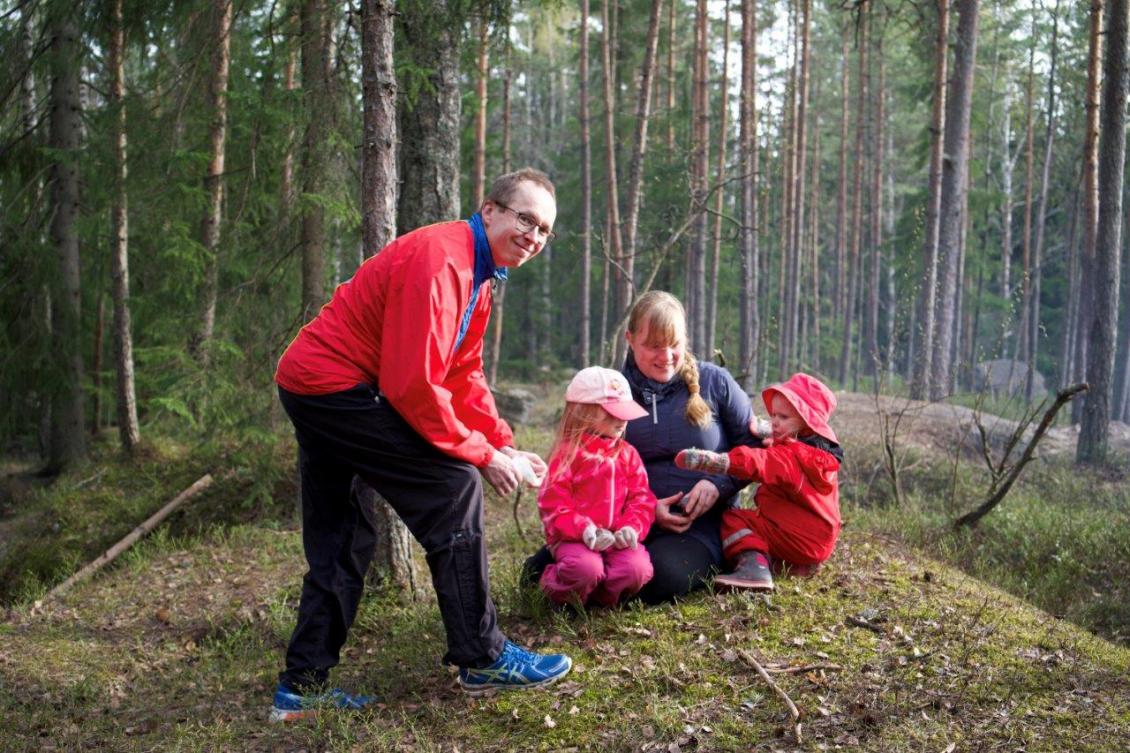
(525, 470)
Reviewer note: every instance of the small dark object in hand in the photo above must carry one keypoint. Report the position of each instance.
(678, 509)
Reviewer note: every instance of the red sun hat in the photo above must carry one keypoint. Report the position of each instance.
(606, 388)
(810, 397)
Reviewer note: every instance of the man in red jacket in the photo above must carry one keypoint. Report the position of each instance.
(387, 384)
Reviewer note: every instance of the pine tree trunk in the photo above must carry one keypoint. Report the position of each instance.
(478, 191)
(1095, 428)
(854, 274)
(920, 385)
(429, 125)
(798, 203)
(378, 153)
(1041, 218)
(671, 77)
(953, 203)
(66, 439)
(214, 178)
(498, 307)
(1022, 344)
(839, 285)
(128, 430)
(700, 159)
(1007, 163)
(635, 170)
(719, 197)
(870, 358)
(614, 246)
(586, 192)
(1090, 202)
(787, 196)
(315, 89)
(749, 324)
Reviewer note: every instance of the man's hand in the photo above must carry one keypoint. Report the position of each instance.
(668, 520)
(537, 465)
(501, 474)
(703, 460)
(597, 539)
(627, 538)
(700, 498)
(761, 428)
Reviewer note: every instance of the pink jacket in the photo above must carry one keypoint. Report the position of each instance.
(606, 485)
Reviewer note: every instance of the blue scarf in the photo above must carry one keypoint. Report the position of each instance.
(484, 270)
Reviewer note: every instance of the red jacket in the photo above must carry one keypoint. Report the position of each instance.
(606, 484)
(799, 492)
(394, 325)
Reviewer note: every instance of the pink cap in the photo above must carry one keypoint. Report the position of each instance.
(607, 388)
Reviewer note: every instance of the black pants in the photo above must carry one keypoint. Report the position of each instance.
(682, 564)
(439, 498)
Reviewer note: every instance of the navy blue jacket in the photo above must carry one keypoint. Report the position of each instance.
(659, 435)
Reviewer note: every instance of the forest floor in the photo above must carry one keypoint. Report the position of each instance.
(177, 646)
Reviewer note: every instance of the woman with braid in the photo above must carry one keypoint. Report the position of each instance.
(689, 404)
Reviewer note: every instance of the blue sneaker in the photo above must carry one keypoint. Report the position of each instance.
(515, 669)
(291, 705)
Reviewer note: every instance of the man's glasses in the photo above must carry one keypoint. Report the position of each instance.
(527, 223)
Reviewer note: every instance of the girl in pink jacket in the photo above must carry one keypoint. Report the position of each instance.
(595, 503)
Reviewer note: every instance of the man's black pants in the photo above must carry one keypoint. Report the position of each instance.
(439, 498)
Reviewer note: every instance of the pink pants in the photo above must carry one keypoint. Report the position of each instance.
(581, 575)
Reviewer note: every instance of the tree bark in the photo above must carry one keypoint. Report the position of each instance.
(1022, 345)
(498, 307)
(839, 295)
(214, 178)
(1095, 428)
(797, 224)
(614, 246)
(953, 204)
(700, 160)
(128, 430)
(66, 439)
(478, 191)
(316, 94)
(635, 170)
(857, 209)
(719, 197)
(586, 192)
(1090, 200)
(871, 358)
(429, 124)
(750, 316)
(920, 384)
(1042, 216)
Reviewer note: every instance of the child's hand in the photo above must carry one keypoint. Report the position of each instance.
(703, 460)
(761, 428)
(597, 539)
(627, 538)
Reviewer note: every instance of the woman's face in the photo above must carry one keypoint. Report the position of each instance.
(658, 362)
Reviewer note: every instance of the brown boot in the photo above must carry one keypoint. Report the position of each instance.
(751, 573)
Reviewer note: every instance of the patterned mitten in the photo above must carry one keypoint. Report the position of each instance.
(703, 460)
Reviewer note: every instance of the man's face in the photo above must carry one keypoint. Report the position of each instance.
(510, 244)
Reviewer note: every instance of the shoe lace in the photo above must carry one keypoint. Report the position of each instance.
(513, 651)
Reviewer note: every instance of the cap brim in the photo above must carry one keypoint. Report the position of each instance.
(626, 410)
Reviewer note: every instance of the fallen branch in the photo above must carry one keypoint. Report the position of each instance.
(747, 657)
(860, 622)
(517, 522)
(803, 670)
(1064, 396)
(112, 553)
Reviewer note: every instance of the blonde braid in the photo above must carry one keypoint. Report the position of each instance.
(698, 412)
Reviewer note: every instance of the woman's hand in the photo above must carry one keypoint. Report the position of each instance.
(671, 521)
(700, 498)
(536, 463)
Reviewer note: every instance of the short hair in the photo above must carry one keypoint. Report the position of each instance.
(505, 186)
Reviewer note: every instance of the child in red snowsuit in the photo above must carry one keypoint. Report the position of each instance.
(797, 518)
(595, 503)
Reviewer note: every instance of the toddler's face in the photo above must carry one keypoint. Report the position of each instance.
(610, 426)
(783, 417)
